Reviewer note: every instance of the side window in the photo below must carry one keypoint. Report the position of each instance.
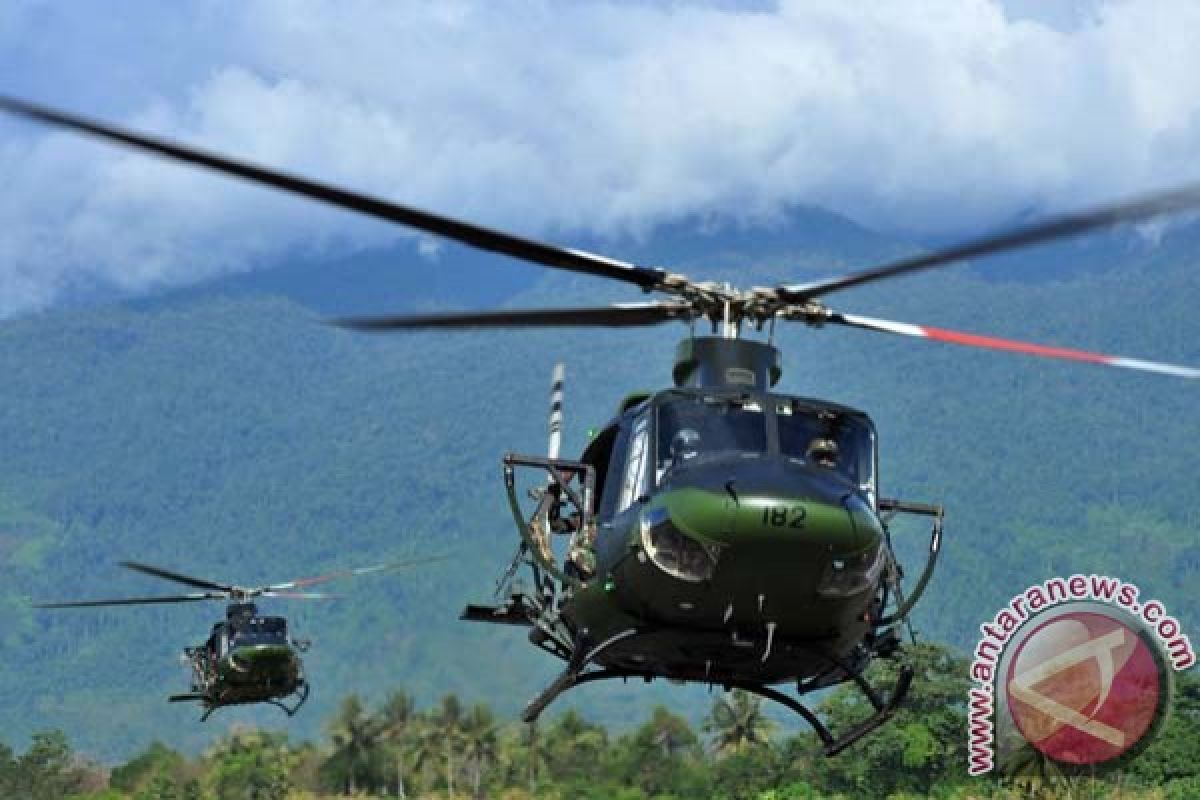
(632, 486)
(599, 454)
(609, 489)
(867, 475)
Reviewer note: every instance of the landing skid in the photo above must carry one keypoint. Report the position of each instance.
(578, 674)
(186, 698)
(301, 695)
(834, 745)
(212, 704)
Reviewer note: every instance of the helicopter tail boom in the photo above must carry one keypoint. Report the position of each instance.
(556, 412)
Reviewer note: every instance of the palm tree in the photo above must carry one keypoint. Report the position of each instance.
(737, 723)
(448, 723)
(397, 723)
(519, 756)
(479, 745)
(669, 732)
(574, 746)
(656, 754)
(355, 739)
(1038, 776)
(424, 746)
(535, 755)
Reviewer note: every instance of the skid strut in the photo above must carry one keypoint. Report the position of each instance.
(576, 673)
(836, 744)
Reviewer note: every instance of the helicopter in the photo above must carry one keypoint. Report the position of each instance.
(248, 657)
(718, 531)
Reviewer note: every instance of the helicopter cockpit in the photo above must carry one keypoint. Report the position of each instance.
(677, 429)
(838, 441)
(251, 631)
(692, 428)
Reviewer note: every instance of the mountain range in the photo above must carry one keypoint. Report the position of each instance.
(223, 431)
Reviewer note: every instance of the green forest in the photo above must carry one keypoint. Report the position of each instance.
(228, 434)
(452, 749)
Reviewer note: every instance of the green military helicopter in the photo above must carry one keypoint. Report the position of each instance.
(248, 658)
(718, 531)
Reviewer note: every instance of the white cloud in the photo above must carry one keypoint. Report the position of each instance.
(552, 120)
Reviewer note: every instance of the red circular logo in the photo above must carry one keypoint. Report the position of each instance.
(1084, 687)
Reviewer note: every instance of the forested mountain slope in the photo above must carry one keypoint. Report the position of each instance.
(229, 434)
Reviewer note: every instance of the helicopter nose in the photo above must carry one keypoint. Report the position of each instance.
(261, 656)
(754, 519)
(771, 502)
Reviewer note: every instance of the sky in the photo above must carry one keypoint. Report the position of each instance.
(564, 120)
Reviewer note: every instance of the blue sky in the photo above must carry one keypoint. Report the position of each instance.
(562, 119)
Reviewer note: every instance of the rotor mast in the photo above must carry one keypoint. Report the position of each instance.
(732, 326)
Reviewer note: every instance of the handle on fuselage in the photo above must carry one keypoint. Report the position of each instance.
(893, 507)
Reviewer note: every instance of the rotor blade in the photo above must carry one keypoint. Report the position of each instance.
(187, 580)
(1055, 227)
(301, 595)
(1010, 345)
(350, 573)
(615, 316)
(468, 233)
(134, 601)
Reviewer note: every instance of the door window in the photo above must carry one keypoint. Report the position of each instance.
(633, 485)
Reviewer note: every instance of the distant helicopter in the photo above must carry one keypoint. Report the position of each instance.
(248, 658)
(717, 532)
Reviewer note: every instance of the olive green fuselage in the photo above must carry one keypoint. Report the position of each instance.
(733, 566)
(254, 673)
(247, 659)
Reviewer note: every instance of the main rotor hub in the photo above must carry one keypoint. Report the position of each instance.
(728, 307)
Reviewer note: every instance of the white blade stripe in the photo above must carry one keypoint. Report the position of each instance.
(1154, 366)
(612, 262)
(902, 328)
(1010, 345)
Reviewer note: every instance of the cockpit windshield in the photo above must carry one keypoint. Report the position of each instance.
(693, 427)
(840, 442)
(259, 630)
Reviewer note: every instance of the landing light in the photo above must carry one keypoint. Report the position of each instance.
(853, 575)
(674, 553)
